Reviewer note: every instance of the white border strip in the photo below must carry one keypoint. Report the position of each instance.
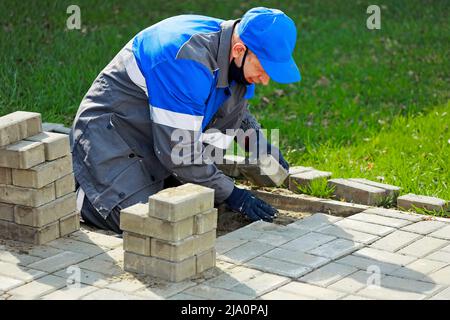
(133, 70)
(175, 119)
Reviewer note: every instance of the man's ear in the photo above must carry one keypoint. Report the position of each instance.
(237, 50)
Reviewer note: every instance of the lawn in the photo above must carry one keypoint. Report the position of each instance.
(372, 103)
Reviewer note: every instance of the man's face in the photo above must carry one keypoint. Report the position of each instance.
(253, 70)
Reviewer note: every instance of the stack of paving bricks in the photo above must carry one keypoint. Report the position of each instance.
(173, 236)
(37, 198)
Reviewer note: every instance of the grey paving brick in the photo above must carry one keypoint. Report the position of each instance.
(352, 283)
(43, 251)
(223, 265)
(165, 289)
(212, 293)
(315, 221)
(282, 268)
(38, 288)
(297, 257)
(17, 272)
(147, 294)
(424, 227)
(328, 274)
(6, 210)
(17, 258)
(70, 293)
(385, 256)
(88, 277)
(260, 284)
(60, 261)
(423, 247)
(382, 293)
(232, 277)
(289, 232)
(241, 234)
(353, 191)
(267, 227)
(339, 208)
(8, 283)
(410, 200)
(307, 242)
(375, 229)
(443, 295)
(262, 226)
(245, 252)
(441, 276)
(285, 295)
(273, 239)
(184, 296)
(109, 268)
(336, 248)
(390, 213)
(126, 285)
(409, 285)
(418, 269)
(396, 241)
(443, 233)
(440, 255)
(226, 244)
(312, 291)
(178, 203)
(305, 178)
(348, 234)
(98, 239)
(67, 244)
(378, 219)
(107, 294)
(390, 190)
(365, 263)
(115, 255)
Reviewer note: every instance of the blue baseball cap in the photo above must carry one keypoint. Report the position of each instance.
(271, 35)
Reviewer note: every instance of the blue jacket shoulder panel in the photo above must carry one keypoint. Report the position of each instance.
(177, 58)
(181, 86)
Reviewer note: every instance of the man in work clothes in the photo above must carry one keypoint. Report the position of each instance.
(188, 73)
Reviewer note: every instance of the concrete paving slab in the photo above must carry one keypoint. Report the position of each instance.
(328, 274)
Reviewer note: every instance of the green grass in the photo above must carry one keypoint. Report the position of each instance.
(371, 102)
(443, 213)
(317, 188)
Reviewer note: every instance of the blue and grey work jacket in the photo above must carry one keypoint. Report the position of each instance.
(172, 75)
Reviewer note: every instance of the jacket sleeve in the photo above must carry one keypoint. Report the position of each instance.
(256, 140)
(178, 91)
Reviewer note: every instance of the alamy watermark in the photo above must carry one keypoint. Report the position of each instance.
(374, 20)
(194, 148)
(74, 279)
(73, 22)
(374, 279)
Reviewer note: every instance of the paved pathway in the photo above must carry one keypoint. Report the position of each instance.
(377, 254)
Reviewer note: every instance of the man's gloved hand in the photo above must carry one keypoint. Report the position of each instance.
(244, 202)
(272, 150)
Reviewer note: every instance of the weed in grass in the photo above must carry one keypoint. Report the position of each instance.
(317, 188)
(387, 202)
